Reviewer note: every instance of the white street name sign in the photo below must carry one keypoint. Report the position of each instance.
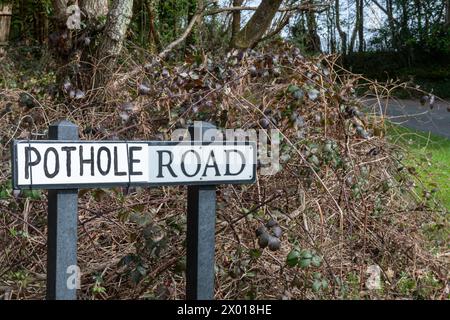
(84, 164)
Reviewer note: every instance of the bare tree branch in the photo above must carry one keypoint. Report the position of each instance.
(300, 7)
(284, 21)
(385, 11)
(186, 32)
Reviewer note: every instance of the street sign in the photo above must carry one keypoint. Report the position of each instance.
(65, 164)
(85, 164)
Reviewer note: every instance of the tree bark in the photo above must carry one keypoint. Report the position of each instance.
(192, 10)
(59, 8)
(342, 33)
(255, 28)
(313, 43)
(236, 23)
(391, 21)
(447, 12)
(351, 47)
(94, 9)
(114, 34)
(361, 25)
(5, 22)
(153, 34)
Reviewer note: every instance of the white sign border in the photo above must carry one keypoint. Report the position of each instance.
(14, 164)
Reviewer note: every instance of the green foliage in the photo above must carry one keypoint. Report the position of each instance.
(32, 194)
(98, 288)
(303, 258)
(5, 190)
(430, 155)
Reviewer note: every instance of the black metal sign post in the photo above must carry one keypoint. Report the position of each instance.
(201, 223)
(63, 165)
(62, 228)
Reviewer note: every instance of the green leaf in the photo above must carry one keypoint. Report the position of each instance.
(255, 253)
(292, 88)
(136, 276)
(306, 254)
(317, 275)
(316, 261)
(3, 194)
(313, 94)
(304, 263)
(32, 194)
(292, 258)
(140, 219)
(317, 285)
(141, 270)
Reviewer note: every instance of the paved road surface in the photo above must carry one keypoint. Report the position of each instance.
(412, 114)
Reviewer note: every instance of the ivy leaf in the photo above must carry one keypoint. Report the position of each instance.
(292, 258)
(316, 261)
(317, 285)
(306, 254)
(313, 94)
(298, 94)
(304, 263)
(292, 88)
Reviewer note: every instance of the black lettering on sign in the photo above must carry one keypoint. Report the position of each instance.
(56, 170)
(99, 160)
(116, 164)
(132, 160)
(227, 171)
(68, 150)
(83, 161)
(183, 168)
(214, 165)
(168, 165)
(28, 163)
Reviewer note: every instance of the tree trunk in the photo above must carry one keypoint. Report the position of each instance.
(60, 15)
(94, 9)
(60, 40)
(111, 41)
(5, 22)
(355, 28)
(192, 9)
(419, 19)
(255, 28)
(115, 32)
(361, 25)
(447, 12)
(153, 35)
(313, 43)
(391, 21)
(236, 24)
(331, 30)
(342, 33)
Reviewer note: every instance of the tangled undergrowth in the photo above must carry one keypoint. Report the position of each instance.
(342, 204)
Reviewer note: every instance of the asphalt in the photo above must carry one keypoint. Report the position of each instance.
(412, 114)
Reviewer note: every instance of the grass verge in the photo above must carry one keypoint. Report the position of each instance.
(429, 156)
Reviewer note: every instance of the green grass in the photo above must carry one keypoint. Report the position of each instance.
(429, 155)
